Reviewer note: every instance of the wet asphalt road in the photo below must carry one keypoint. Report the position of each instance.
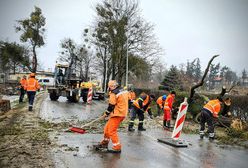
(62, 110)
(140, 149)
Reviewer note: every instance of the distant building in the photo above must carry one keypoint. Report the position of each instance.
(39, 74)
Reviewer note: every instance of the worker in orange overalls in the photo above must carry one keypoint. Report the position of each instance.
(208, 113)
(32, 85)
(131, 97)
(23, 82)
(139, 106)
(117, 110)
(160, 104)
(168, 108)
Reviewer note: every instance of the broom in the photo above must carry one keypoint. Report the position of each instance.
(81, 129)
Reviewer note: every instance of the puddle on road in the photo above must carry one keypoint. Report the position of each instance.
(64, 111)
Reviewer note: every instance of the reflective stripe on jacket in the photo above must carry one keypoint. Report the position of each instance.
(119, 99)
(213, 106)
(145, 99)
(32, 85)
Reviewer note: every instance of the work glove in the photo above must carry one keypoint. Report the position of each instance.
(38, 90)
(106, 113)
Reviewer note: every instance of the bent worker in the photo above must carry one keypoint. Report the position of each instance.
(139, 106)
(32, 85)
(23, 82)
(117, 109)
(131, 97)
(160, 104)
(168, 105)
(208, 113)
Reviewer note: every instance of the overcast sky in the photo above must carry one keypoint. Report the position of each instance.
(186, 29)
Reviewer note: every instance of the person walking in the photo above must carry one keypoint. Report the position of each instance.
(139, 106)
(160, 104)
(32, 85)
(117, 110)
(168, 108)
(23, 82)
(208, 113)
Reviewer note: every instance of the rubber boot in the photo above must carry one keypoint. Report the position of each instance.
(30, 108)
(140, 127)
(211, 136)
(201, 134)
(164, 123)
(168, 124)
(101, 146)
(115, 149)
(130, 128)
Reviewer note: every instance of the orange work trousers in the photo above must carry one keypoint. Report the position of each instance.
(167, 115)
(110, 131)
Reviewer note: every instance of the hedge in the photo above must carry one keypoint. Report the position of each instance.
(239, 107)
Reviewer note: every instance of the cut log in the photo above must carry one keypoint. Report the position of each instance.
(4, 105)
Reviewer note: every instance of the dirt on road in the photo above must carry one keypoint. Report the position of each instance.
(24, 141)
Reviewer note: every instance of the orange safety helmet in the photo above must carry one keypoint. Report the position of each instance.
(32, 75)
(112, 84)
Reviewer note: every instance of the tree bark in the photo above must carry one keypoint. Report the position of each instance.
(34, 66)
(192, 90)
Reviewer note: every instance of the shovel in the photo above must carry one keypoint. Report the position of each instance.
(81, 129)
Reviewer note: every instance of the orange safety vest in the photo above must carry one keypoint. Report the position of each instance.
(160, 102)
(169, 100)
(145, 102)
(32, 85)
(23, 82)
(131, 95)
(120, 101)
(213, 106)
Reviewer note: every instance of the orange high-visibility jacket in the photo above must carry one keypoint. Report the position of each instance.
(23, 82)
(32, 85)
(170, 100)
(160, 102)
(213, 106)
(145, 99)
(118, 98)
(131, 95)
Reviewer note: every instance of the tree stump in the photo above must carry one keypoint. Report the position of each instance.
(4, 105)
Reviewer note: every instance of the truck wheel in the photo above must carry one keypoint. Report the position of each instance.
(75, 97)
(53, 96)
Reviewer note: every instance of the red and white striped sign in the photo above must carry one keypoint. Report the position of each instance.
(89, 97)
(180, 120)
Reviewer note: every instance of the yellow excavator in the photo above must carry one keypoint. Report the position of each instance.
(67, 84)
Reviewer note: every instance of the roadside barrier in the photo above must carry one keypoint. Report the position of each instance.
(174, 140)
(180, 120)
(90, 95)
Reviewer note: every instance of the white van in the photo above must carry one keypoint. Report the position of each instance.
(46, 81)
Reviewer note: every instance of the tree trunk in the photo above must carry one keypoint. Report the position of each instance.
(192, 90)
(34, 62)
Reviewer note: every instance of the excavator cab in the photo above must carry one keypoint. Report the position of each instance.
(60, 74)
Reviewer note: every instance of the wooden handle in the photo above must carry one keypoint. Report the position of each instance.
(90, 123)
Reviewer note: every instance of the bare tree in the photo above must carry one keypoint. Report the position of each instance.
(120, 31)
